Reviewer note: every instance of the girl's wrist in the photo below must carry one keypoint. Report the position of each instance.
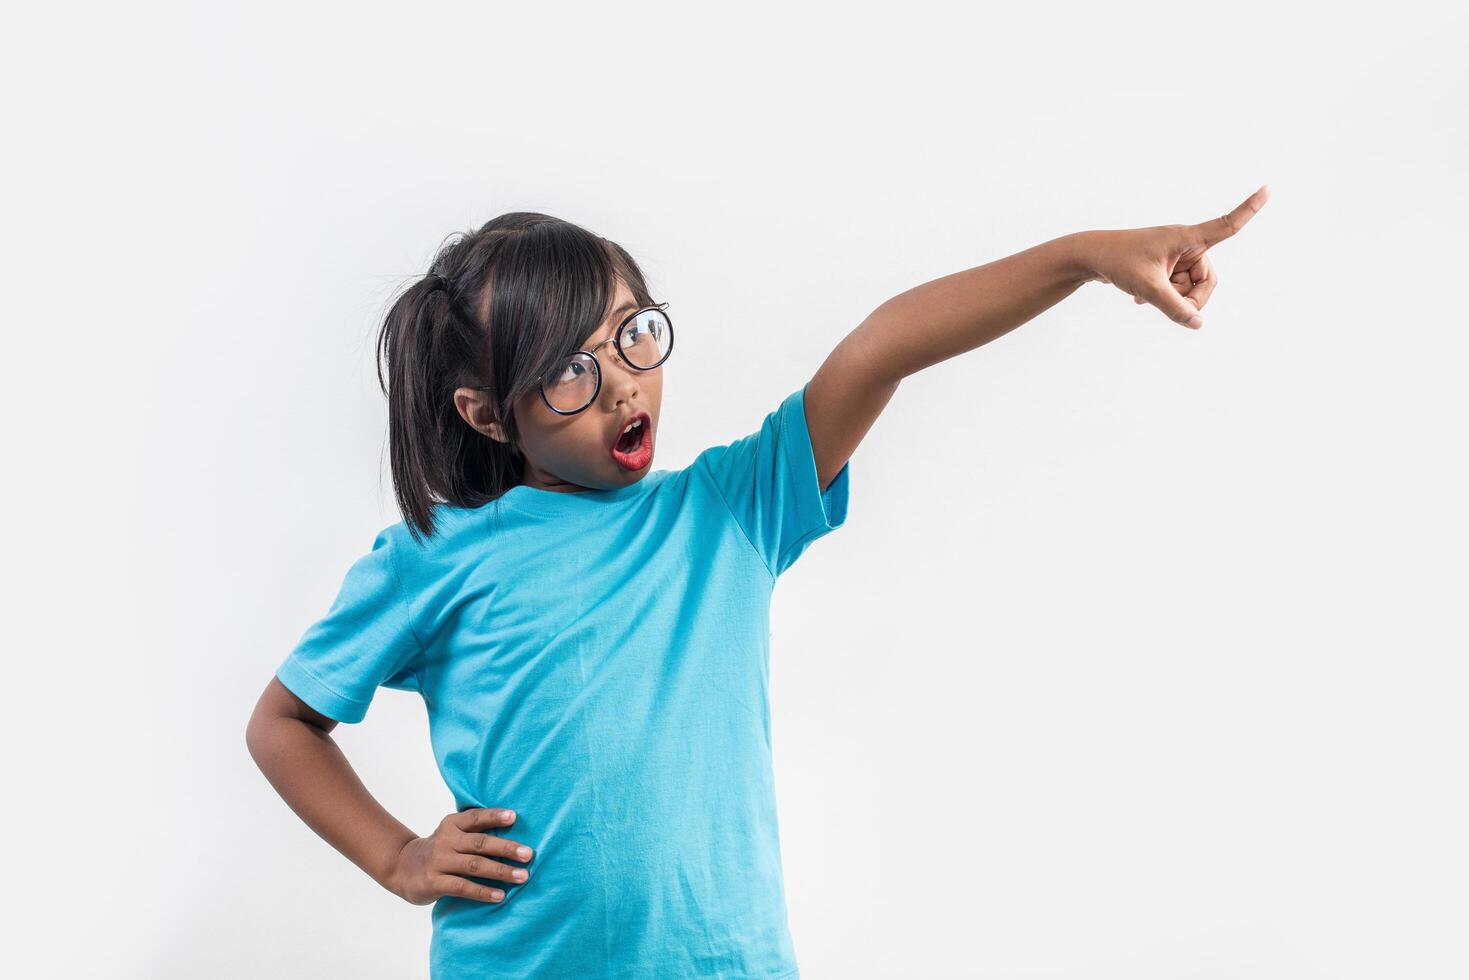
(391, 876)
(1077, 252)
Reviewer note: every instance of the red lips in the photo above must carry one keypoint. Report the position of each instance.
(635, 450)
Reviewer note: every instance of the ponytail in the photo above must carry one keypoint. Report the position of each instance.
(435, 455)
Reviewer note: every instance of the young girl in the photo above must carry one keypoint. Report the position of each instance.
(591, 637)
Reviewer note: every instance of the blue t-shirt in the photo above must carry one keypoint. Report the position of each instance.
(599, 662)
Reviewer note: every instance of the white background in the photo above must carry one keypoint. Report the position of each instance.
(1143, 651)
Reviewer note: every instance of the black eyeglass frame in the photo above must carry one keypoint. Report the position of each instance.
(616, 341)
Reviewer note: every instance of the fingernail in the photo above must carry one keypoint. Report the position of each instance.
(1195, 321)
(518, 874)
(524, 853)
(509, 814)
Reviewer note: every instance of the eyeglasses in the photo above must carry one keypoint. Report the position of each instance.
(643, 339)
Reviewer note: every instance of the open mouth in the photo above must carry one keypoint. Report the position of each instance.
(633, 448)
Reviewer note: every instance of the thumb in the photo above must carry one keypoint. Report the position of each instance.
(1162, 295)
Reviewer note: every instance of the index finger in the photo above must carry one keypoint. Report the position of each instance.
(482, 817)
(1213, 232)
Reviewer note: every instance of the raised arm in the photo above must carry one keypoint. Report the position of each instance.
(1166, 266)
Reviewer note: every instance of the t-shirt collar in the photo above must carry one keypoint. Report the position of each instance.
(537, 501)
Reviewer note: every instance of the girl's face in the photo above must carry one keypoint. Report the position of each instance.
(572, 453)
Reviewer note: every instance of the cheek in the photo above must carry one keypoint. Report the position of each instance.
(653, 386)
(569, 446)
(542, 438)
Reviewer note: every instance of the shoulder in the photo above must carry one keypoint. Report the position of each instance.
(429, 571)
(757, 448)
(453, 529)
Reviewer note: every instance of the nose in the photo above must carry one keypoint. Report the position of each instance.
(620, 381)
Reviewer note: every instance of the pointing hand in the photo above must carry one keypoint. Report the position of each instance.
(1167, 265)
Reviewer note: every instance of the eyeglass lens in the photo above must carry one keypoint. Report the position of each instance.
(645, 340)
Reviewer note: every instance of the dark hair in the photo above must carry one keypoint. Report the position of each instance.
(515, 296)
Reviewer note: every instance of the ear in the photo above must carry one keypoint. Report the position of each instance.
(478, 412)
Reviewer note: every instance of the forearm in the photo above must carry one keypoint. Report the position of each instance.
(945, 317)
(310, 772)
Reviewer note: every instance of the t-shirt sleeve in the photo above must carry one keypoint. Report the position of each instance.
(365, 640)
(768, 480)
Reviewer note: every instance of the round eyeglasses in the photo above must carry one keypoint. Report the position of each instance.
(643, 340)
